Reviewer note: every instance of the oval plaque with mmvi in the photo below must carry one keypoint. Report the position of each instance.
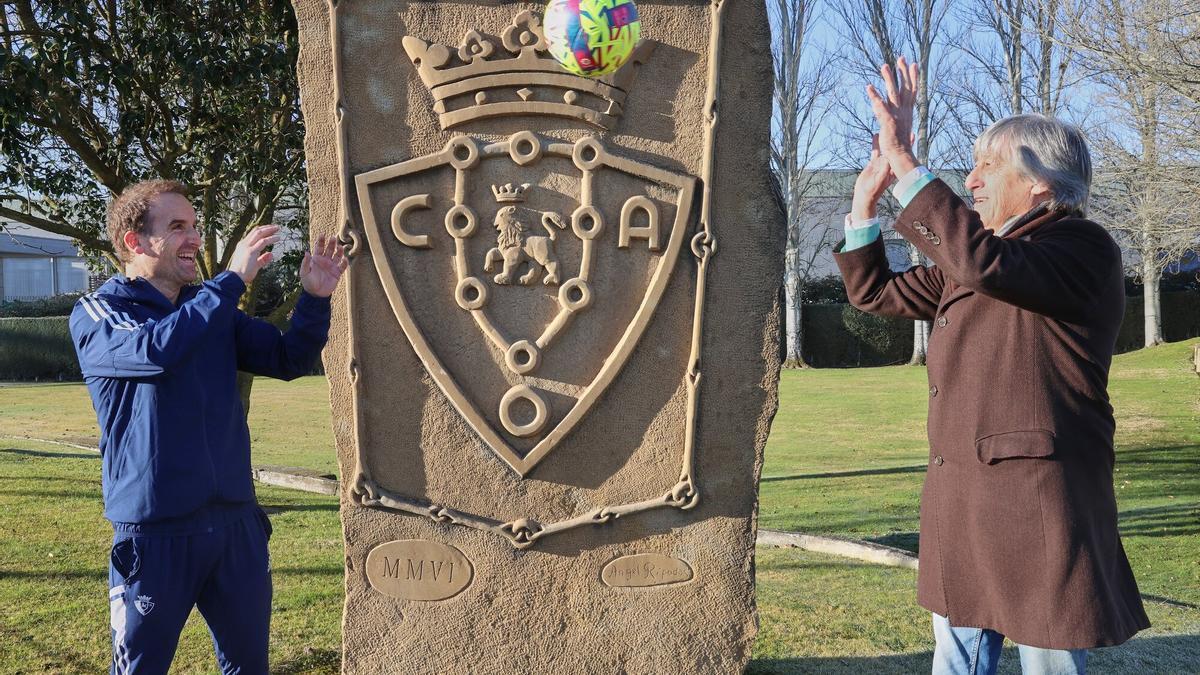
(645, 569)
(418, 569)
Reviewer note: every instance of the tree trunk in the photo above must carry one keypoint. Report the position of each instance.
(794, 299)
(920, 328)
(245, 381)
(1152, 305)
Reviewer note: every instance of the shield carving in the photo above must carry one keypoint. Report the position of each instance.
(547, 255)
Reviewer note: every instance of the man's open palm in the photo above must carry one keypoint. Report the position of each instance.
(322, 267)
(895, 111)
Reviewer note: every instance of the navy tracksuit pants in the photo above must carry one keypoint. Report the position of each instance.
(155, 580)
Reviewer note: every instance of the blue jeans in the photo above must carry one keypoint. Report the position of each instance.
(976, 651)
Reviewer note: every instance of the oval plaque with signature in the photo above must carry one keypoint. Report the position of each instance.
(418, 569)
(645, 569)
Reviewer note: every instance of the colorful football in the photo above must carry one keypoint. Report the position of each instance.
(591, 37)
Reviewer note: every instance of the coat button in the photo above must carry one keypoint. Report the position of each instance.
(936, 240)
(942, 321)
(937, 460)
(918, 225)
(933, 390)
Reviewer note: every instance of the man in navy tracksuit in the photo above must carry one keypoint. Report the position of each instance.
(160, 356)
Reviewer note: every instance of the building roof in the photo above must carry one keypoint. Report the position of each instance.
(22, 244)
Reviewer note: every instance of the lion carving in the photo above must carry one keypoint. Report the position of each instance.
(515, 246)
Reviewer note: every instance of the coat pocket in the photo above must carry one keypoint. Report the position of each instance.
(1015, 445)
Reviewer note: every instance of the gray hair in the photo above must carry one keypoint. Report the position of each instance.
(1047, 150)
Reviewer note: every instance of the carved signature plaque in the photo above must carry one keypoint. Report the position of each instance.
(418, 569)
(645, 569)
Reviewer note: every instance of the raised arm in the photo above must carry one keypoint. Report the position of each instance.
(1061, 270)
(873, 287)
(111, 343)
(870, 283)
(263, 350)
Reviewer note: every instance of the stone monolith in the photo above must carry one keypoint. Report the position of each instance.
(554, 359)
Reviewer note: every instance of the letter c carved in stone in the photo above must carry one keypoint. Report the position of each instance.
(400, 212)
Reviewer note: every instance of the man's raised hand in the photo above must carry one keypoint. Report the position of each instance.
(895, 113)
(322, 267)
(251, 255)
(872, 182)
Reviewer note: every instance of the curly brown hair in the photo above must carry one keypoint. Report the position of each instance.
(127, 213)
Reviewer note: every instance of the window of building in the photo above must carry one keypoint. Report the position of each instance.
(72, 275)
(28, 278)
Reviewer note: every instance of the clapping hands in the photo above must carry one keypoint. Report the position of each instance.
(894, 113)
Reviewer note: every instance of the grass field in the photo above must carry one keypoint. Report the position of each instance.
(843, 458)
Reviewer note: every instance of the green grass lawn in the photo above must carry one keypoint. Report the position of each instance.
(843, 459)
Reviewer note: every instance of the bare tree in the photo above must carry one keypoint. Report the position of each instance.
(802, 84)
(1174, 26)
(1148, 178)
(877, 32)
(1013, 60)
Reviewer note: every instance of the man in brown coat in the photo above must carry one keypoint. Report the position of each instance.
(1018, 515)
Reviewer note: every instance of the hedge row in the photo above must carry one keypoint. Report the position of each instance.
(836, 336)
(41, 349)
(839, 336)
(57, 305)
(37, 349)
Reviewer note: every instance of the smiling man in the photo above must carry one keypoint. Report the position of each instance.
(160, 357)
(1018, 514)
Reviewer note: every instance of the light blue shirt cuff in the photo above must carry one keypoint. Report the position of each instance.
(911, 183)
(860, 233)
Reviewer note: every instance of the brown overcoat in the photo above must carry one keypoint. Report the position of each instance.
(1018, 514)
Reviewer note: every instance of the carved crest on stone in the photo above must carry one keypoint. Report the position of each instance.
(535, 248)
(524, 269)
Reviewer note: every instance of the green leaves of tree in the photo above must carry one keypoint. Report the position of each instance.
(95, 95)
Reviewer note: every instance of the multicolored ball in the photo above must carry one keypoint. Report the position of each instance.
(591, 37)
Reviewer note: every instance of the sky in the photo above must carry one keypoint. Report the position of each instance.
(951, 147)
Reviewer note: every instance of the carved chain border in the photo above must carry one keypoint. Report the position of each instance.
(524, 532)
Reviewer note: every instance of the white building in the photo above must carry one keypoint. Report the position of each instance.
(36, 264)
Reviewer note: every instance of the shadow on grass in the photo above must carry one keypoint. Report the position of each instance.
(301, 571)
(919, 468)
(1161, 521)
(906, 541)
(1153, 654)
(271, 509)
(1168, 601)
(47, 453)
(90, 495)
(99, 574)
(60, 479)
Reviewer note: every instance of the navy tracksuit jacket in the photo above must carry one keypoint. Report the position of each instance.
(176, 458)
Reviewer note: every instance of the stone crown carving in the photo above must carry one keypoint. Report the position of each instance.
(475, 81)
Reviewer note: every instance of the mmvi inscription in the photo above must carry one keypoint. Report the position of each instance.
(645, 569)
(418, 569)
